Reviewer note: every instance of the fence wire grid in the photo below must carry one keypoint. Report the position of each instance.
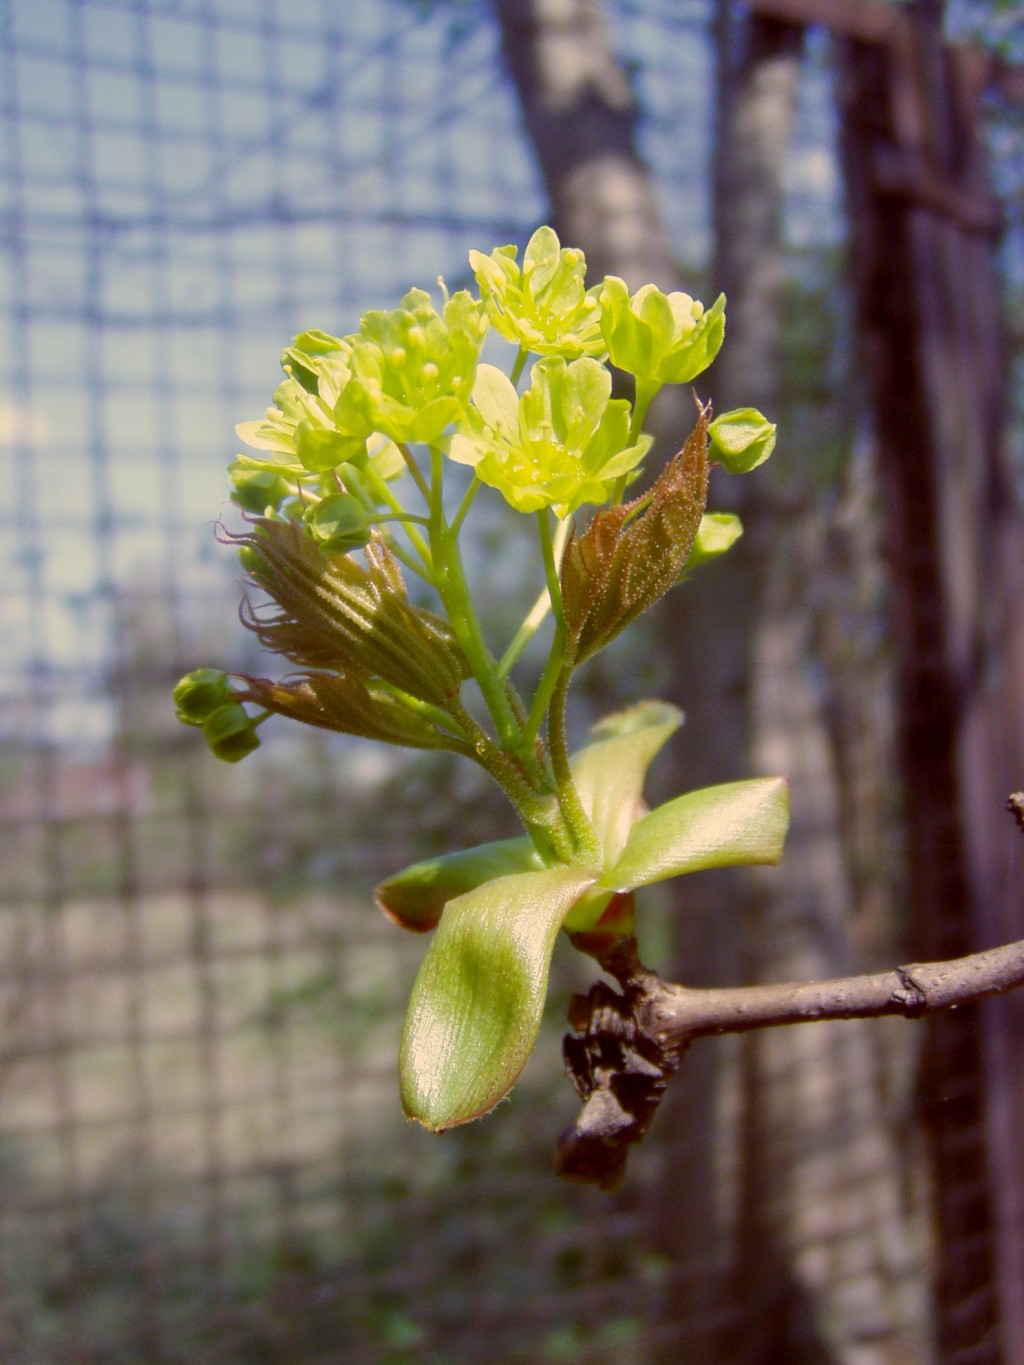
(202, 1155)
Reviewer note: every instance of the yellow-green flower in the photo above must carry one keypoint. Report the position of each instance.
(543, 305)
(564, 443)
(413, 368)
(301, 423)
(660, 338)
(298, 438)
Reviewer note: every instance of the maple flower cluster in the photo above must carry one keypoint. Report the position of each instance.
(343, 493)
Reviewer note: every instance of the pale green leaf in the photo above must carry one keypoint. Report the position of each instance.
(477, 1001)
(726, 826)
(609, 772)
(416, 896)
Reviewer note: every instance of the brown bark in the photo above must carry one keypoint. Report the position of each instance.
(580, 114)
(716, 1194)
(929, 311)
(629, 1045)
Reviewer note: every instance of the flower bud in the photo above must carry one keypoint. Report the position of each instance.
(717, 532)
(200, 693)
(338, 523)
(230, 732)
(660, 338)
(741, 440)
(259, 487)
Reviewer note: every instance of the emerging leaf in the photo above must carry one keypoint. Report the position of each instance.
(349, 705)
(726, 826)
(609, 772)
(477, 1001)
(631, 555)
(336, 614)
(416, 896)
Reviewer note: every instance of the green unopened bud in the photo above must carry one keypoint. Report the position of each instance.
(339, 524)
(741, 440)
(257, 489)
(718, 532)
(200, 693)
(230, 732)
(321, 448)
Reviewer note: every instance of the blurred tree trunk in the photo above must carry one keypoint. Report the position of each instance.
(924, 248)
(779, 1201)
(827, 1266)
(580, 114)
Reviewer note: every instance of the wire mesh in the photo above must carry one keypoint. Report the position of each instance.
(201, 1150)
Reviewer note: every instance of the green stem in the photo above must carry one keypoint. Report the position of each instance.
(458, 604)
(646, 391)
(586, 841)
(465, 505)
(534, 619)
(405, 517)
(540, 810)
(549, 700)
(414, 469)
(442, 717)
(520, 362)
(461, 613)
(550, 554)
(382, 491)
(545, 690)
(537, 614)
(556, 657)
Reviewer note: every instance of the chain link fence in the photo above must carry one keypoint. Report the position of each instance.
(202, 1155)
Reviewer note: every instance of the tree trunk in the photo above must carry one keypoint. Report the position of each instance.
(580, 114)
(757, 1137)
(820, 1176)
(924, 249)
